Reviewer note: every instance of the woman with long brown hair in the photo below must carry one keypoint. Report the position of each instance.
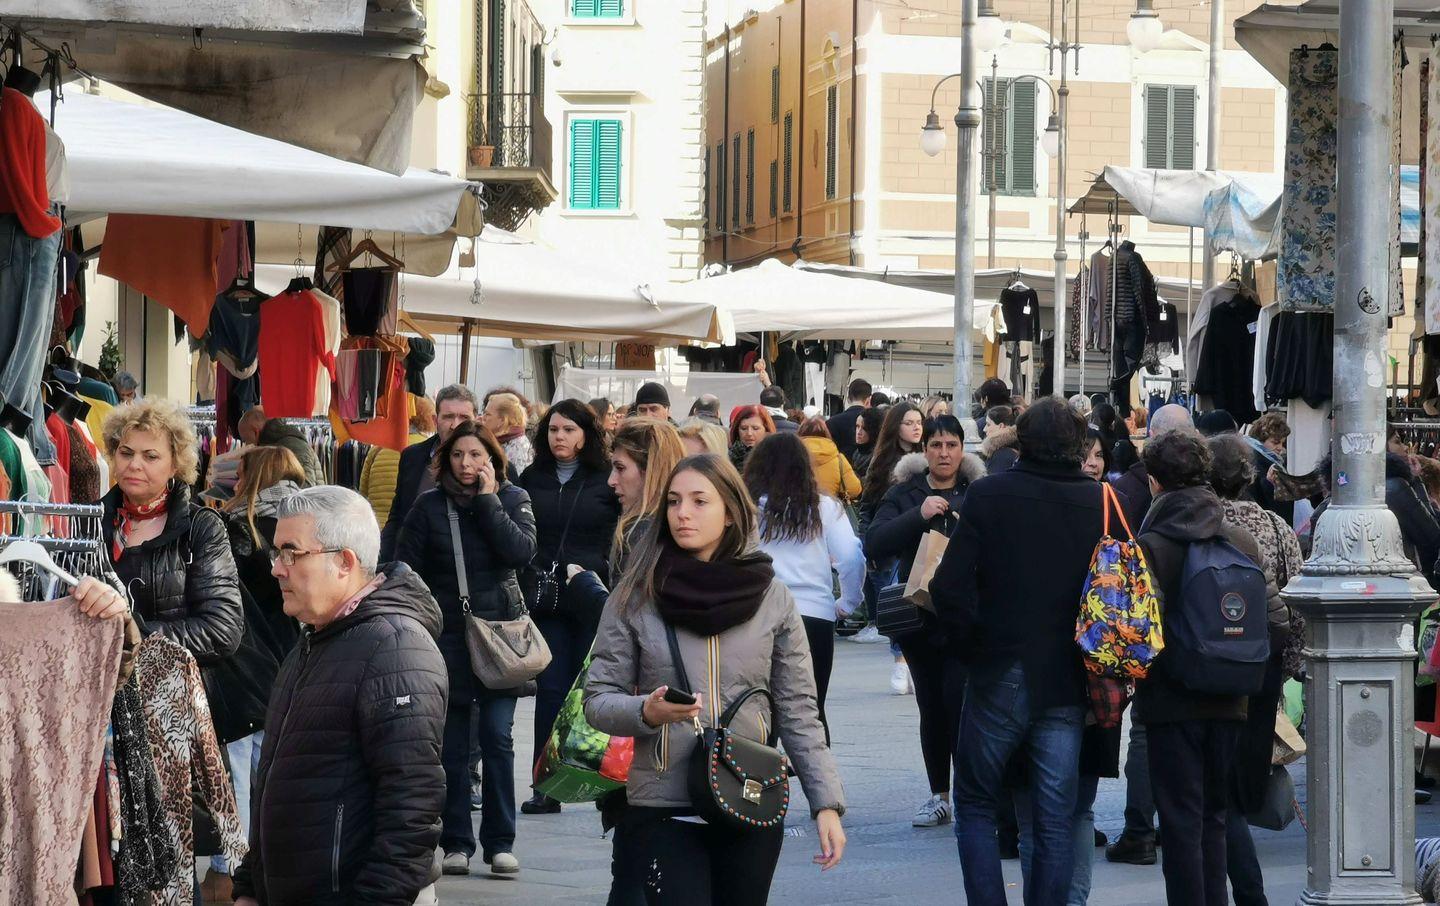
(696, 572)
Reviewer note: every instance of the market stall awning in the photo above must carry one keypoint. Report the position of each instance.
(773, 296)
(1270, 31)
(336, 76)
(526, 291)
(1172, 197)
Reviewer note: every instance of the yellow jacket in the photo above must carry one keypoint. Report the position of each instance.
(379, 477)
(832, 469)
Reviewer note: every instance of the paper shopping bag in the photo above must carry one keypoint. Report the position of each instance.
(927, 560)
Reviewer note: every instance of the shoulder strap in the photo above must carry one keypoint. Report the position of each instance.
(574, 504)
(461, 579)
(679, 660)
(1112, 500)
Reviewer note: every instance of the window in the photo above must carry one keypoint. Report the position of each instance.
(750, 176)
(774, 188)
(1011, 125)
(719, 187)
(597, 9)
(832, 135)
(735, 182)
(789, 157)
(595, 149)
(775, 95)
(1170, 127)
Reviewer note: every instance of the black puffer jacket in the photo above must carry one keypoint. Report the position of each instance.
(497, 534)
(591, 509)
(895, 531)
(185, 587)
(346, 807)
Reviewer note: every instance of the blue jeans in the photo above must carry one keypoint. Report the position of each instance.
(27, 309)
(997, 720)
(1084, 838)
(490, 721)
(244, 765)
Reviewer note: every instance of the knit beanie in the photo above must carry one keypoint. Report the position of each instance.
(651, 393)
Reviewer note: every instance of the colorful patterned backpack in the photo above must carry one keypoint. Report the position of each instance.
(1119, 625)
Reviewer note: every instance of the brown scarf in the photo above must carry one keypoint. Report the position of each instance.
(708, 597)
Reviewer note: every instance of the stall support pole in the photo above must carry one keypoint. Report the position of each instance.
(1057, 352)
(465, 331)
(1358, 591)
(967, 119)
(1212, 129)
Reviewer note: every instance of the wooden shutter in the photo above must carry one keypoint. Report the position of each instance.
(584, 9)
(1182, 128)
(750, 176)
(705, 191)
(775, 95)
(774, 188)
(1020, 167)
(1157, 126)
(607, 164)
(996, 136)
(735, 166)
(789, 157)
(832, 134)
(582, 164)
(611, 9)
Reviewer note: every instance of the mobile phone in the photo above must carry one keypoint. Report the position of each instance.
(678, 697)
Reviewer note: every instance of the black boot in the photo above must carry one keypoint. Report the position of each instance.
(540, 804)
(1131, 851)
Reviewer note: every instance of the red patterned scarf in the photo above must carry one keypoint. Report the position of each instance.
(128, 518)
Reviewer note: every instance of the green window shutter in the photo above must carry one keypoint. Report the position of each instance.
(996, 135)
(774, 188)
(1182, 128)
(582, 164)
(750, 176)
(611, 9)
(584, 9)
(1157, 126)
(832, 135)
(789, 157)
(775, 95)
(735, 181)
(607, 169)
(1021, 165)
(705, 191)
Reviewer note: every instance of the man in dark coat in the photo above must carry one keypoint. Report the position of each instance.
(453, 405)
(348, 797)
(773, 399)
(1015, 626)
(842, 425)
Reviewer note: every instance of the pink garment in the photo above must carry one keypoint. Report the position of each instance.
(349, 606)
(58, 670)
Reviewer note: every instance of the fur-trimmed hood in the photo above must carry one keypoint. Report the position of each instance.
(1005, 437)
(972, 467)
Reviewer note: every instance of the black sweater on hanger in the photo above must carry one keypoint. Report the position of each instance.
(1021, 306)
(1227, 360)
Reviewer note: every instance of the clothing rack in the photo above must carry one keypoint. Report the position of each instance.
(71, 532)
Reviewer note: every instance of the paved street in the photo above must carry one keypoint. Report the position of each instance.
(876, 740)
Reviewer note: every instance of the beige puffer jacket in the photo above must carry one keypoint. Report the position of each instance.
(632, 653)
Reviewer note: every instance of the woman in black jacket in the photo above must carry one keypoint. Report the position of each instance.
(929, 489)
(497, 537)
(575, 515)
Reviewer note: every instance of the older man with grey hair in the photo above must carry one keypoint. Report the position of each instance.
(454, 404)
(347, 801)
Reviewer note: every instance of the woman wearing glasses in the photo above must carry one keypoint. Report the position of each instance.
(497, 537)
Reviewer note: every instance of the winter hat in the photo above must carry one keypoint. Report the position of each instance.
(1215, 422)
(651, 393)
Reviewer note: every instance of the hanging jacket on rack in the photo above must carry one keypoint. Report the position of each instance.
(1227, 357)
(1021, 306)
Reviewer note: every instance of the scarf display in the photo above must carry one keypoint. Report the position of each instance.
(149, 853)
(708, 597)
(129, 516)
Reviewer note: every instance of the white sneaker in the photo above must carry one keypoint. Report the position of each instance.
(456, 864)
(868, 634)
(935, 812)
(900, 682)
(504, 864)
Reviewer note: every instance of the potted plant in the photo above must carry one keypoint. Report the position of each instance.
(482, 155)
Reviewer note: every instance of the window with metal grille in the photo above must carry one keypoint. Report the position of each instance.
(774, 187)
(1170, 126)
(750, 176)
(597, 9)
(832, 138)
(720, 187)
(735, 181)
(775, 94)
(595, 165)
(789, 157)
(1010, 124)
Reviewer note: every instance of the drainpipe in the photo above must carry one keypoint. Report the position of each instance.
(800, 144)
(725, 176)
(854, 113)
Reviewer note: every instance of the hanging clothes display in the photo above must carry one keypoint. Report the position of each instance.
(24, 182)
(1021, 308)
(1430, 193)
(187, 757)
(1098, 325)
(1299, 358)
(1075, 315)
(1134, 296)
(233, 339)
(370, 301)
(58, 671)
(292, 350)
(331, 316)
(183, 278)
(1225, 371)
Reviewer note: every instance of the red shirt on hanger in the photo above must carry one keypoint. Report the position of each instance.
(23, 190)
(292, 349)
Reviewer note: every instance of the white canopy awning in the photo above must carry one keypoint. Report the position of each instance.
(1172, 197)
(1270, 31)
(530, 292)
(129, 158)
(775, 297)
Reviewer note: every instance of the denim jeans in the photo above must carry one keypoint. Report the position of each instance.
(493, 718)
(1084, 838)
(997, 720)
(244, 765)
(1139, 797)
(27, 310)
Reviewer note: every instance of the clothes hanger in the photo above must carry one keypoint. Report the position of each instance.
(367, 246)
(33, 553)
(300, 283)
(409, 324)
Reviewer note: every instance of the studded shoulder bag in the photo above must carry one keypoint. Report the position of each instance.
(734, 781)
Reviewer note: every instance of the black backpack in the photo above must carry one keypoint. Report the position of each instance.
(1217, 640)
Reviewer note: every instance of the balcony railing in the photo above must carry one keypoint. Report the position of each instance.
(514, 125)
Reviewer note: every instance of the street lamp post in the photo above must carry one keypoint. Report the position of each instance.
(1359, 591)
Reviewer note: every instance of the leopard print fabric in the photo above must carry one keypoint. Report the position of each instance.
(186, 753)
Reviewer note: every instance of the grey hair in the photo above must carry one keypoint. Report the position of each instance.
(457, 392)
(126, 381)
(1080, 404)
(343, 520)
(1170, 417)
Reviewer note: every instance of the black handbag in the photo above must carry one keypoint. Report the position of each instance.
(896, 616)
(735, 782)
(542, 585)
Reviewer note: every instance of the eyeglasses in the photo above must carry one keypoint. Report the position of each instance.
(288, 555)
